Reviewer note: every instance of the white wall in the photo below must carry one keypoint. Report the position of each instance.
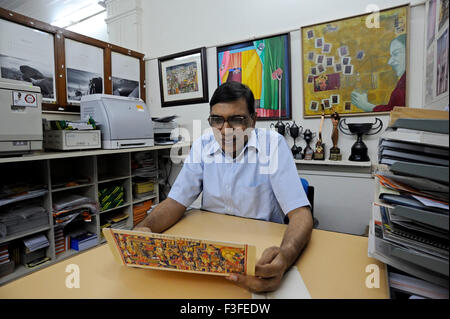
(94, 27)
(175, 26)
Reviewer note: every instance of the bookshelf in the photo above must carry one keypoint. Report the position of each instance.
(75, 172)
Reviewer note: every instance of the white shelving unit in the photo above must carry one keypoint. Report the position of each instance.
(96, 169)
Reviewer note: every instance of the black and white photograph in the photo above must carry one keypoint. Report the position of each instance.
(310, 34)
(84, 71)
(360, 55)
(314, 71)
(338, 67)
(80, 83)
(19, 59)
(326, 104)
(33, 72)
(310, 78)
(311, 56)
(125, 75)
(320, 68)
(124, 87)
(348, 106)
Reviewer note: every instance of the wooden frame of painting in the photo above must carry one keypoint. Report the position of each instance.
(339, 58)
(59, 103)
(264, 65)
(183, 78)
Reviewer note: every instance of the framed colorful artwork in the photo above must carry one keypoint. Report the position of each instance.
(169, 252)
(264, 66)
(359, 63)
(183, 78)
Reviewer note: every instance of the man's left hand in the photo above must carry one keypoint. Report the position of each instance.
(269, 271)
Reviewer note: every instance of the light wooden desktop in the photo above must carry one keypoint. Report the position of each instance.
(333, 265)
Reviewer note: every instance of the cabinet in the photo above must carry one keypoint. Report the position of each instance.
(61, 174)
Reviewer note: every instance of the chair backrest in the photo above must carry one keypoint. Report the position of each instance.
(309, 190)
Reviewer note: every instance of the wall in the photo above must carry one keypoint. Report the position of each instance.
(176, 26)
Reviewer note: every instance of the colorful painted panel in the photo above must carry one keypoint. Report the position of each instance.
(264, 66)
(361, 60)
(158, 251)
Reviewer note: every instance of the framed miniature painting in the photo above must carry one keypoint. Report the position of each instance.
(169, 252)
(183, 78)
(358, 63)
(264, 66)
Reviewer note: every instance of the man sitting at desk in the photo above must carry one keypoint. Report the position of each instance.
(246, 172)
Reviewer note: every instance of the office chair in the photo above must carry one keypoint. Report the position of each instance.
(309, 190)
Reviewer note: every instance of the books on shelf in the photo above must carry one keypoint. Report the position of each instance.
(83, 241)
(409, 229)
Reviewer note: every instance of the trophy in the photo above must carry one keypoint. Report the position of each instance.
(319, 153)
(281, 128)
(308, 152)
(294, 130)
(335, 152)
(359, 149)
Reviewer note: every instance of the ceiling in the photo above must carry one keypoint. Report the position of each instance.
(45, 10)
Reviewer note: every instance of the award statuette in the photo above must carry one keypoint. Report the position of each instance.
(335, 152)
(279, 126)
(308, 152)
(359, 149)
(319, 153)
(294, 130)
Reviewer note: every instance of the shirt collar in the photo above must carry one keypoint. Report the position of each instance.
(252, 142)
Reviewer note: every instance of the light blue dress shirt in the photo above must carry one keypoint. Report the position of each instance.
(261, 183)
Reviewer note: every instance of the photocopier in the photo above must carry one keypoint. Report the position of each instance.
(125, 122)
(20, 118)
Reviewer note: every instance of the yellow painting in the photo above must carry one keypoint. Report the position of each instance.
(355, 66)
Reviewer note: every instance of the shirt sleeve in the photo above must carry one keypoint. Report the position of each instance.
(189, 182)
(284, 178)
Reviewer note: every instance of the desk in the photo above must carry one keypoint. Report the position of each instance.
(333, 265)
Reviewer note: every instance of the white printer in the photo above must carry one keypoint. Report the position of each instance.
(20, 118)
(125, 122)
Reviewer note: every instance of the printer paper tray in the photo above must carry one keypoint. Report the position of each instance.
(118, 144)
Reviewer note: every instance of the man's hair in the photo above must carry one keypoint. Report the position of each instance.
(233, 91)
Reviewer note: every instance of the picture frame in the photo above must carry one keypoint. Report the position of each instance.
(125, 74)
(264, 65)
(188, 67)
(360, 73)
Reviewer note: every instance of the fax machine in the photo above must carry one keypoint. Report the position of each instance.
(20, 118)
(124, 122)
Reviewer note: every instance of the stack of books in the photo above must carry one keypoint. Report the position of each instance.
(410, 221)
(140, 211)
(6, 264)
(60, 241)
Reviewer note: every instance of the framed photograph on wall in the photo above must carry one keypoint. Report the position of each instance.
(264, 66)
(84, 70)
(436, 85)
(183, 78)
(369, 79)
(27, 54)
(125, 75)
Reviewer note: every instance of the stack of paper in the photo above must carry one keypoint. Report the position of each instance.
(35, 242)
(410, 225)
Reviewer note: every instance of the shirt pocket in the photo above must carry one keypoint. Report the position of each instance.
(254, 201)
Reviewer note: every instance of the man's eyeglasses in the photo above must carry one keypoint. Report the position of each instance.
(236, 121)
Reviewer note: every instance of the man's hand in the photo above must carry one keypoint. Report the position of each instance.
(360, 100)
(269, 271)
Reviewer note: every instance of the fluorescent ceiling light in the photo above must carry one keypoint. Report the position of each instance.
(74, 15)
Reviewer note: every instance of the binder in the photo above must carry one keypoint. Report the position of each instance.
(437, 173)
(427, 125)
(414, 157)
(422, 216)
